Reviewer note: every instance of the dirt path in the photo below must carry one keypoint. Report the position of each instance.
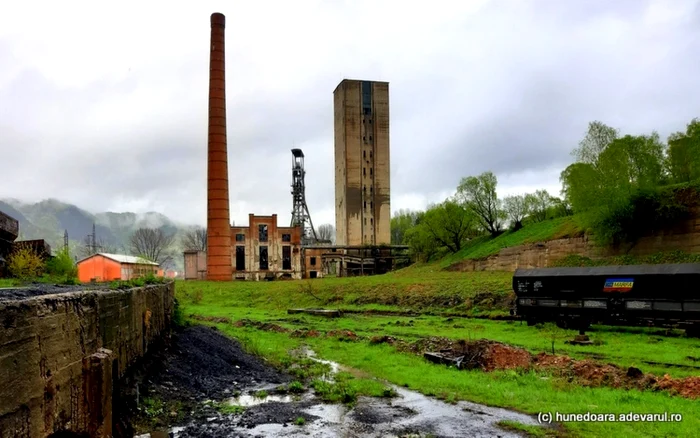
(203, 365)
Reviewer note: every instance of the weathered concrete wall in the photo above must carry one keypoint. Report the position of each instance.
(362, 163)
(59, 355)
(685, 236)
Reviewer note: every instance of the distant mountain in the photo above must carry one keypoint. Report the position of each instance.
(50, 218)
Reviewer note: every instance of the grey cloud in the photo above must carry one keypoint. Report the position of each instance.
(509, 89)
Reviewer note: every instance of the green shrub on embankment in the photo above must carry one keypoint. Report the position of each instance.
(486, 246)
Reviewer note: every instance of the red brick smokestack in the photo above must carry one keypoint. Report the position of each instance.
(218, 219)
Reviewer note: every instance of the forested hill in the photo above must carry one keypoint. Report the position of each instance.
(619, 188)
(49, 219)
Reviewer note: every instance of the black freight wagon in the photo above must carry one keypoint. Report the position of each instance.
(661, 295)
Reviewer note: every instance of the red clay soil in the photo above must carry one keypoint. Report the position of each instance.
(345, 335)
(266, 326)
(490, 355)
(219, 319)
(590, 373)
(302, 333)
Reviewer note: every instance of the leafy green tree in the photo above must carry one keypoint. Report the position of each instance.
(684, 153)
(561, 207)
(538, 204)
(61, 265)
(597, 138)
(516, 208)
(478, 194)
(422, 245)
(613, 174)
(449, 224)
(402, 221)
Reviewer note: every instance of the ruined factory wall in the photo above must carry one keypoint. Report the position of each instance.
(685, 236)
(249, 239)
(59, 355)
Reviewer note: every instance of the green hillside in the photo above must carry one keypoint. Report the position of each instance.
(484, 246)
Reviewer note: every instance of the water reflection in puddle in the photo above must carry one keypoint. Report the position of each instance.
(251, 400)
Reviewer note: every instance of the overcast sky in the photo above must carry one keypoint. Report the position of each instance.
(104, 104)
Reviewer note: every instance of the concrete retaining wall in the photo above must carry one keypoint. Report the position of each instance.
(685, 236)
(60, 354)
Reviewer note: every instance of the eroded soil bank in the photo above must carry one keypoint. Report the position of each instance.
(200, 385)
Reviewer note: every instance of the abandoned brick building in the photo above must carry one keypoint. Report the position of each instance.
(262, 250)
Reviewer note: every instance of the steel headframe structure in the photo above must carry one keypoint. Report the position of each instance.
(300, 211)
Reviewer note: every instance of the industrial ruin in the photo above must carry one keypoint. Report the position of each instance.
(9, 232)
(264, 250)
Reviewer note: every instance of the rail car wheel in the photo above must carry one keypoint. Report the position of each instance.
(563, 323)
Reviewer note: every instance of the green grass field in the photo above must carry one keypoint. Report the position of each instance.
(7, 282)
(427, 289)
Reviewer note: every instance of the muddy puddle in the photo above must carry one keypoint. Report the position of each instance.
(410, 414)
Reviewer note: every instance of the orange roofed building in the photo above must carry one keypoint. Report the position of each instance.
(110, 267)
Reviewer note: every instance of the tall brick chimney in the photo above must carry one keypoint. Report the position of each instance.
(218, 218)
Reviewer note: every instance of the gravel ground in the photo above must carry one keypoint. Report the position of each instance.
(38, 289)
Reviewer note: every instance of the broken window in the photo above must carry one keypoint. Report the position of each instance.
(371, 205)
(263, 257)
(370, 171)
(365, 204)
(370, 154)
(364, 154)
(286, 238)
(286, 257)
(240, 258)
(240, 237)
(313, 261)
(364, 171)
(371, 221)
(370, 138)
(262, 233)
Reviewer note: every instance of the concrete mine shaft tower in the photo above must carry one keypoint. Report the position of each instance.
(219, 265)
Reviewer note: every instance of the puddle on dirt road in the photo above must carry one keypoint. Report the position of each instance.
(251, 400)
(409, 414)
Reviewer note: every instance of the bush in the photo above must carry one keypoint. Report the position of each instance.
(62, 267)
(25, 264)
(646, 211)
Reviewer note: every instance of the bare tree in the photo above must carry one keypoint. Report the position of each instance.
(152, 244)
(326, 232)
(195, 239)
